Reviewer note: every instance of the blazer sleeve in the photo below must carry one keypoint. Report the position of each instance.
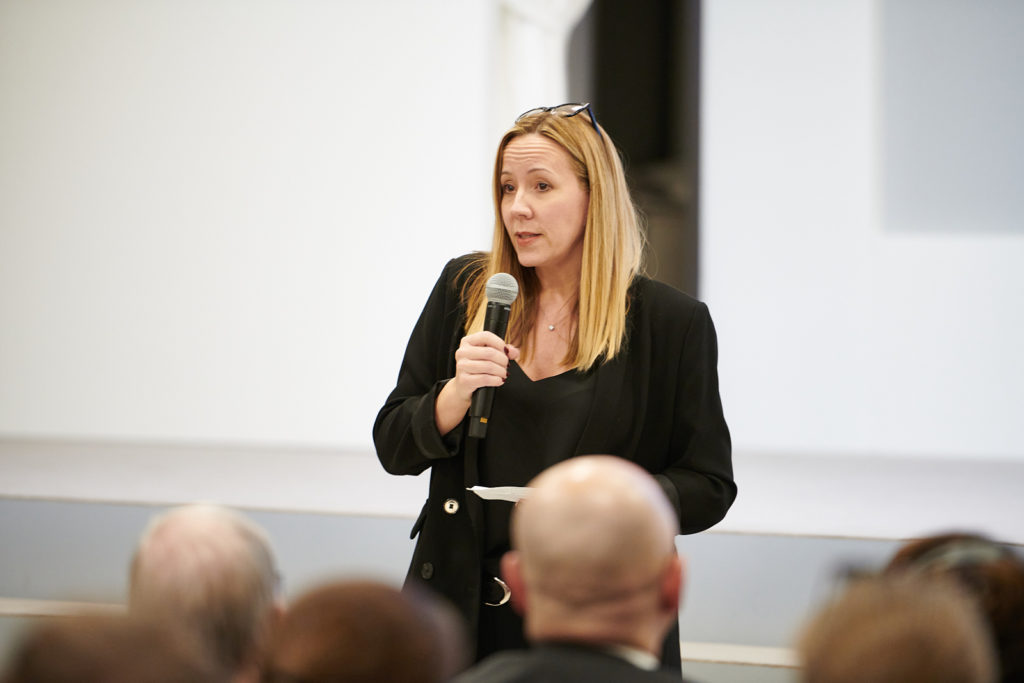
(405, 433)
(699, 478)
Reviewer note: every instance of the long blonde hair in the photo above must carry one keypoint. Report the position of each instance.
(613, 246)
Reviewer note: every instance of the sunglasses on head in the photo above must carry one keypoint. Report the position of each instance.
(567, 110)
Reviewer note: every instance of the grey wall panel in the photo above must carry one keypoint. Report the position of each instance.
(81, 551)
(741, 589)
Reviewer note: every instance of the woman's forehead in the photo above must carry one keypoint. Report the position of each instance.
(525, 152)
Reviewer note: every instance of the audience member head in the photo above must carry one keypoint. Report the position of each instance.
(363, 632)
(897, 630)
(991, 572)
(110, 649)
(594, 558)
(211, 570)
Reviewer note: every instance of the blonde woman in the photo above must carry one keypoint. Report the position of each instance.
(597, 359)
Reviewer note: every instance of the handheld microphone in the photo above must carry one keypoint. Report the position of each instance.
(501, 289)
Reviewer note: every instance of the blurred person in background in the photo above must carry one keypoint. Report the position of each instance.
(991, 572)
(111, 649)
(897, 629)
(366, 632)
(212, 571)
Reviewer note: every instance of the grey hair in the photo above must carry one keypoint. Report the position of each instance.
(212, 570)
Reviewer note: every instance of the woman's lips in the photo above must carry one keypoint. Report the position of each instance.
(526, 237)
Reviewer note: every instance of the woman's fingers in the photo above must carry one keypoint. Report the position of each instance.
(483, 380)
(482, 354)
(483, 346)
(484, 339)
(480, 361)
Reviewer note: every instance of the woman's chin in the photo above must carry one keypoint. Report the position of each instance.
(526, 260)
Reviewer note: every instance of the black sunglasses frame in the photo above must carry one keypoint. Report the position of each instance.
(574, 108)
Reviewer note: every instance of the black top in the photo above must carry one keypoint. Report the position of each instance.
(533, 425)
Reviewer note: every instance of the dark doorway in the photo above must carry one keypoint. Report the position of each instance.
(638, 63)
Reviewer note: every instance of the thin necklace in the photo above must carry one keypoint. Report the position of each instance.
(569, 328)
(552, 326)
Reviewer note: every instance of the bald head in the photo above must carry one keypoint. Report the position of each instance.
(211, 569)
(593, 524)
(595, 540)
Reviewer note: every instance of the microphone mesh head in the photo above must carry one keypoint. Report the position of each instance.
(502, 288)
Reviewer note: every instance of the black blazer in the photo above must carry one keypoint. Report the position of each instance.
(559, 663)
(656, 404)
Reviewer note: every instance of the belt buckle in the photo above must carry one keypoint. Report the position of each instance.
(506, 593)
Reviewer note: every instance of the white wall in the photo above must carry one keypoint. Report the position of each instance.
(837, 333)
(219, 220)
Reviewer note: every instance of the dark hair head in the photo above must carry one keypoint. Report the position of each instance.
(365, 632)
(990, 571)
(110, 649)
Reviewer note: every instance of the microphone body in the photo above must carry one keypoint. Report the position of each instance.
(502, 290)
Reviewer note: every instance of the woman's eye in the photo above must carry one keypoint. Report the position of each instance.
(508, 188)
(543, 187)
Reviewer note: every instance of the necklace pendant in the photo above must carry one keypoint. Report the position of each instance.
(551, 328)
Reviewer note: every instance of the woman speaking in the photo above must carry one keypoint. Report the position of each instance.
(597, 359)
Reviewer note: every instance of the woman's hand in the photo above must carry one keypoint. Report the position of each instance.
(480, 361)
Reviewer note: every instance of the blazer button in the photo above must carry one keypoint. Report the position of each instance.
(451, 506)
(427, 570)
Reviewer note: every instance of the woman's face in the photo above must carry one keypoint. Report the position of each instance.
(543, 203)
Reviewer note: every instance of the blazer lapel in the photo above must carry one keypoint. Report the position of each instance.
(612, 403)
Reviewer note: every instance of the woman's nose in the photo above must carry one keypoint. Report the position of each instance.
(520, 205)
